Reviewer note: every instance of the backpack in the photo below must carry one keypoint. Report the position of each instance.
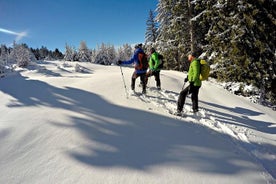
(204, 70)
(143, 61)
(161, 61)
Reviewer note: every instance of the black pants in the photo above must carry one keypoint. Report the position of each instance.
(156, 75)
(142, 78)
(191, 89)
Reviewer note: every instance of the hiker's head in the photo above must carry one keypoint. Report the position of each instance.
(190, 57)
(152, 50)
(138, 46)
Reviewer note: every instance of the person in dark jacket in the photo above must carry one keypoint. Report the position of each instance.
(138, 72)
(154, 69)
(193, 88)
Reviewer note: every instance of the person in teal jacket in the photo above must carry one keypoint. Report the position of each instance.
(193, 88)
(154, 69)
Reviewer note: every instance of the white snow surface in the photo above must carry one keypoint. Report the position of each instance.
(59, 125)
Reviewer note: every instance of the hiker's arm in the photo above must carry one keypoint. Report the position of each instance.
(154, 60)
(132, 59)
(196, 71)
(155, 57)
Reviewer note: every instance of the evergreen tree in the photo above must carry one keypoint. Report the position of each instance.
(151, 30)
(164, 17)
(165, 38)
(181, 29)
(111, 52)
(243, 40)
(93, 55)
(43, 53)
(3, 58)
(105, 55)
(22, 55)
(238, 36)
(36, 53)
(125, 52)
(201, 20)
(83, 53)
(57, 54)
(70, 53)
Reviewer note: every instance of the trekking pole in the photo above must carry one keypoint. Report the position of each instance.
(124, 81)
(149, 80)
(185, 81)
(183, 86)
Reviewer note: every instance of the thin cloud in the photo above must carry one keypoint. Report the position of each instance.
(19, 36)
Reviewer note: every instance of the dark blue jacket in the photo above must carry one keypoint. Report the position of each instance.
(134, 59)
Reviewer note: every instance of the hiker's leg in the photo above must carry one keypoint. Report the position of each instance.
(148, 74)
(182, 97)
(143, 79)
(195, 98)
(133, 78)
(157, 79)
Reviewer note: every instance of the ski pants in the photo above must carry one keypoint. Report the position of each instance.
(191, 89)
(142, 78)
(156, 75)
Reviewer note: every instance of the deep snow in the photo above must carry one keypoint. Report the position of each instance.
(62, 126)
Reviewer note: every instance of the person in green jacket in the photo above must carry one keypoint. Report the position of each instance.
(193, 88)
(154, 69)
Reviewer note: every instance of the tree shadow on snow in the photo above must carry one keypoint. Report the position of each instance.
(240, 116)
(117, 136)
(123, 137)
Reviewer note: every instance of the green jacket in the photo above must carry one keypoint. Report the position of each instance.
(194, 72)
(154, 62)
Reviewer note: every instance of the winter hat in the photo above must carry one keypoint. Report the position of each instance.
(138, 46)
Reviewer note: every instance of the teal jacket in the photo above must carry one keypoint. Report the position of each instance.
(154, 62)
(194, 72)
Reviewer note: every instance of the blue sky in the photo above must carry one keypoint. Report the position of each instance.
(53, 23)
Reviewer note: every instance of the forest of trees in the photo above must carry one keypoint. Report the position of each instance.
(22, 55)
(236, 37)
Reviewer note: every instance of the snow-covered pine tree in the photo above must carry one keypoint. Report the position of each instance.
(70, 53)
(182, 29)
(83, 54)
(125, 52)
(106, 54)
(93, 55)
(151, 29)
(128, 51)
(22, 55)
(166, 38)
(202, 21)
(243, 37)
(3, 58)
(112, 54)
(120, 53)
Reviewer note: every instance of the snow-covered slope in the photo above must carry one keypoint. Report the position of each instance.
(62, 126)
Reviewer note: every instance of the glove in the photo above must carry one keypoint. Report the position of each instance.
(119, 62)
(186, 79)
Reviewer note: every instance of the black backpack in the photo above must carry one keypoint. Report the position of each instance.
(161, 61)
